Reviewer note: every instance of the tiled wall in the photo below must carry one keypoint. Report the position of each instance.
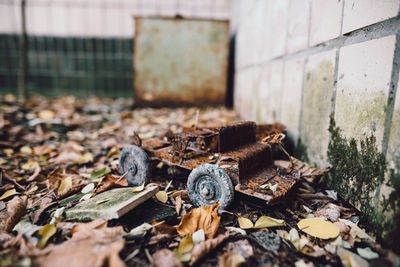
(301, 61)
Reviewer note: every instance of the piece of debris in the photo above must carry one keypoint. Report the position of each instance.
(120, 201)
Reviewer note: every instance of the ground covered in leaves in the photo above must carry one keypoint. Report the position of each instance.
(55, 154)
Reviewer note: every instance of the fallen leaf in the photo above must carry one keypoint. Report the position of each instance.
(85, 158)
(110, 181)
(330, 212)
(202, 249)
(85, 197)
(14, 211)
(65, 185)
(231, 259)
(99, 174)
(318, 228)
(30, 165)
(141, 229)
(162, 196)
(92, 244)
(26, 150)
(198, 236)
(245, 223)
(102, 201)
(88, 188)
(265, 221)
(47, 114)
(165, 258)
(205, 218)
(355, 230)
(46, 232)
(186, 245)
(139, 188)
(294, 238)
(9, 193)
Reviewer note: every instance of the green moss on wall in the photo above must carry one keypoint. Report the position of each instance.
(358, 171)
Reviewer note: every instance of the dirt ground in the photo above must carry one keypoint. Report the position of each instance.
(54, 149)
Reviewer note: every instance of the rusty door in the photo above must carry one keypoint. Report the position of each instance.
(180, 61)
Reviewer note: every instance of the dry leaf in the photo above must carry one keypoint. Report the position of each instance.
(355, 230)
(46, 232)
(231, 259)
(205, 218)
(65, 185)
(110, 181)
(202, 249)
(178, 204)
(294, 238)
(186, 245)
(88, 188)
(47, 114)
(85, 158)
(139, 188)
(245, 223)
(30, 165)
(266, 221)
(165, 258)
(198, 236)
(318, 228)
(92, 244)
(162, 196)
(16, 208)
(26, 150)
(9, 193)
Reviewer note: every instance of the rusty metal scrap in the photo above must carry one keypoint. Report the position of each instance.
(242, 150)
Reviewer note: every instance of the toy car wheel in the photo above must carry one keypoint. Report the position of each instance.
(207, 184)
(135, 164)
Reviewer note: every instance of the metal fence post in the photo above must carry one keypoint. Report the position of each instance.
(23, 59)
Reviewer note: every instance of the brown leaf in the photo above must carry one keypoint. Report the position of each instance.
(165, 258)
(55, 179)
(178, 204)
(110, 181)
(202, 249)
(231, 259)
(92, 244)
(205, 218)
(16, 208)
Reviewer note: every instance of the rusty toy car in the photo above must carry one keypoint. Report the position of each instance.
(237, 157)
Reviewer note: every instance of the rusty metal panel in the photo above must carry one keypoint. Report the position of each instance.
(180, 61)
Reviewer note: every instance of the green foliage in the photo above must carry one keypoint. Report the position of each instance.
(357, 171)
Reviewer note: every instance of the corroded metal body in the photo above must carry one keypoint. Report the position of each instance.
(236, 149)
(180, 61)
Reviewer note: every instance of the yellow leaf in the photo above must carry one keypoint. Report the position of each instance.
(9, 193)
(101, 201)
(30, 165)
(32, 190)
(26, 150)
(245, 223)
(318, 228)
(162, 196)
(139, 189)
(46, 114)
(65, 185)
(46, 232)
(8, 151)
(182, 257)
(265, 221)
(186, 245)
(87, 157)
